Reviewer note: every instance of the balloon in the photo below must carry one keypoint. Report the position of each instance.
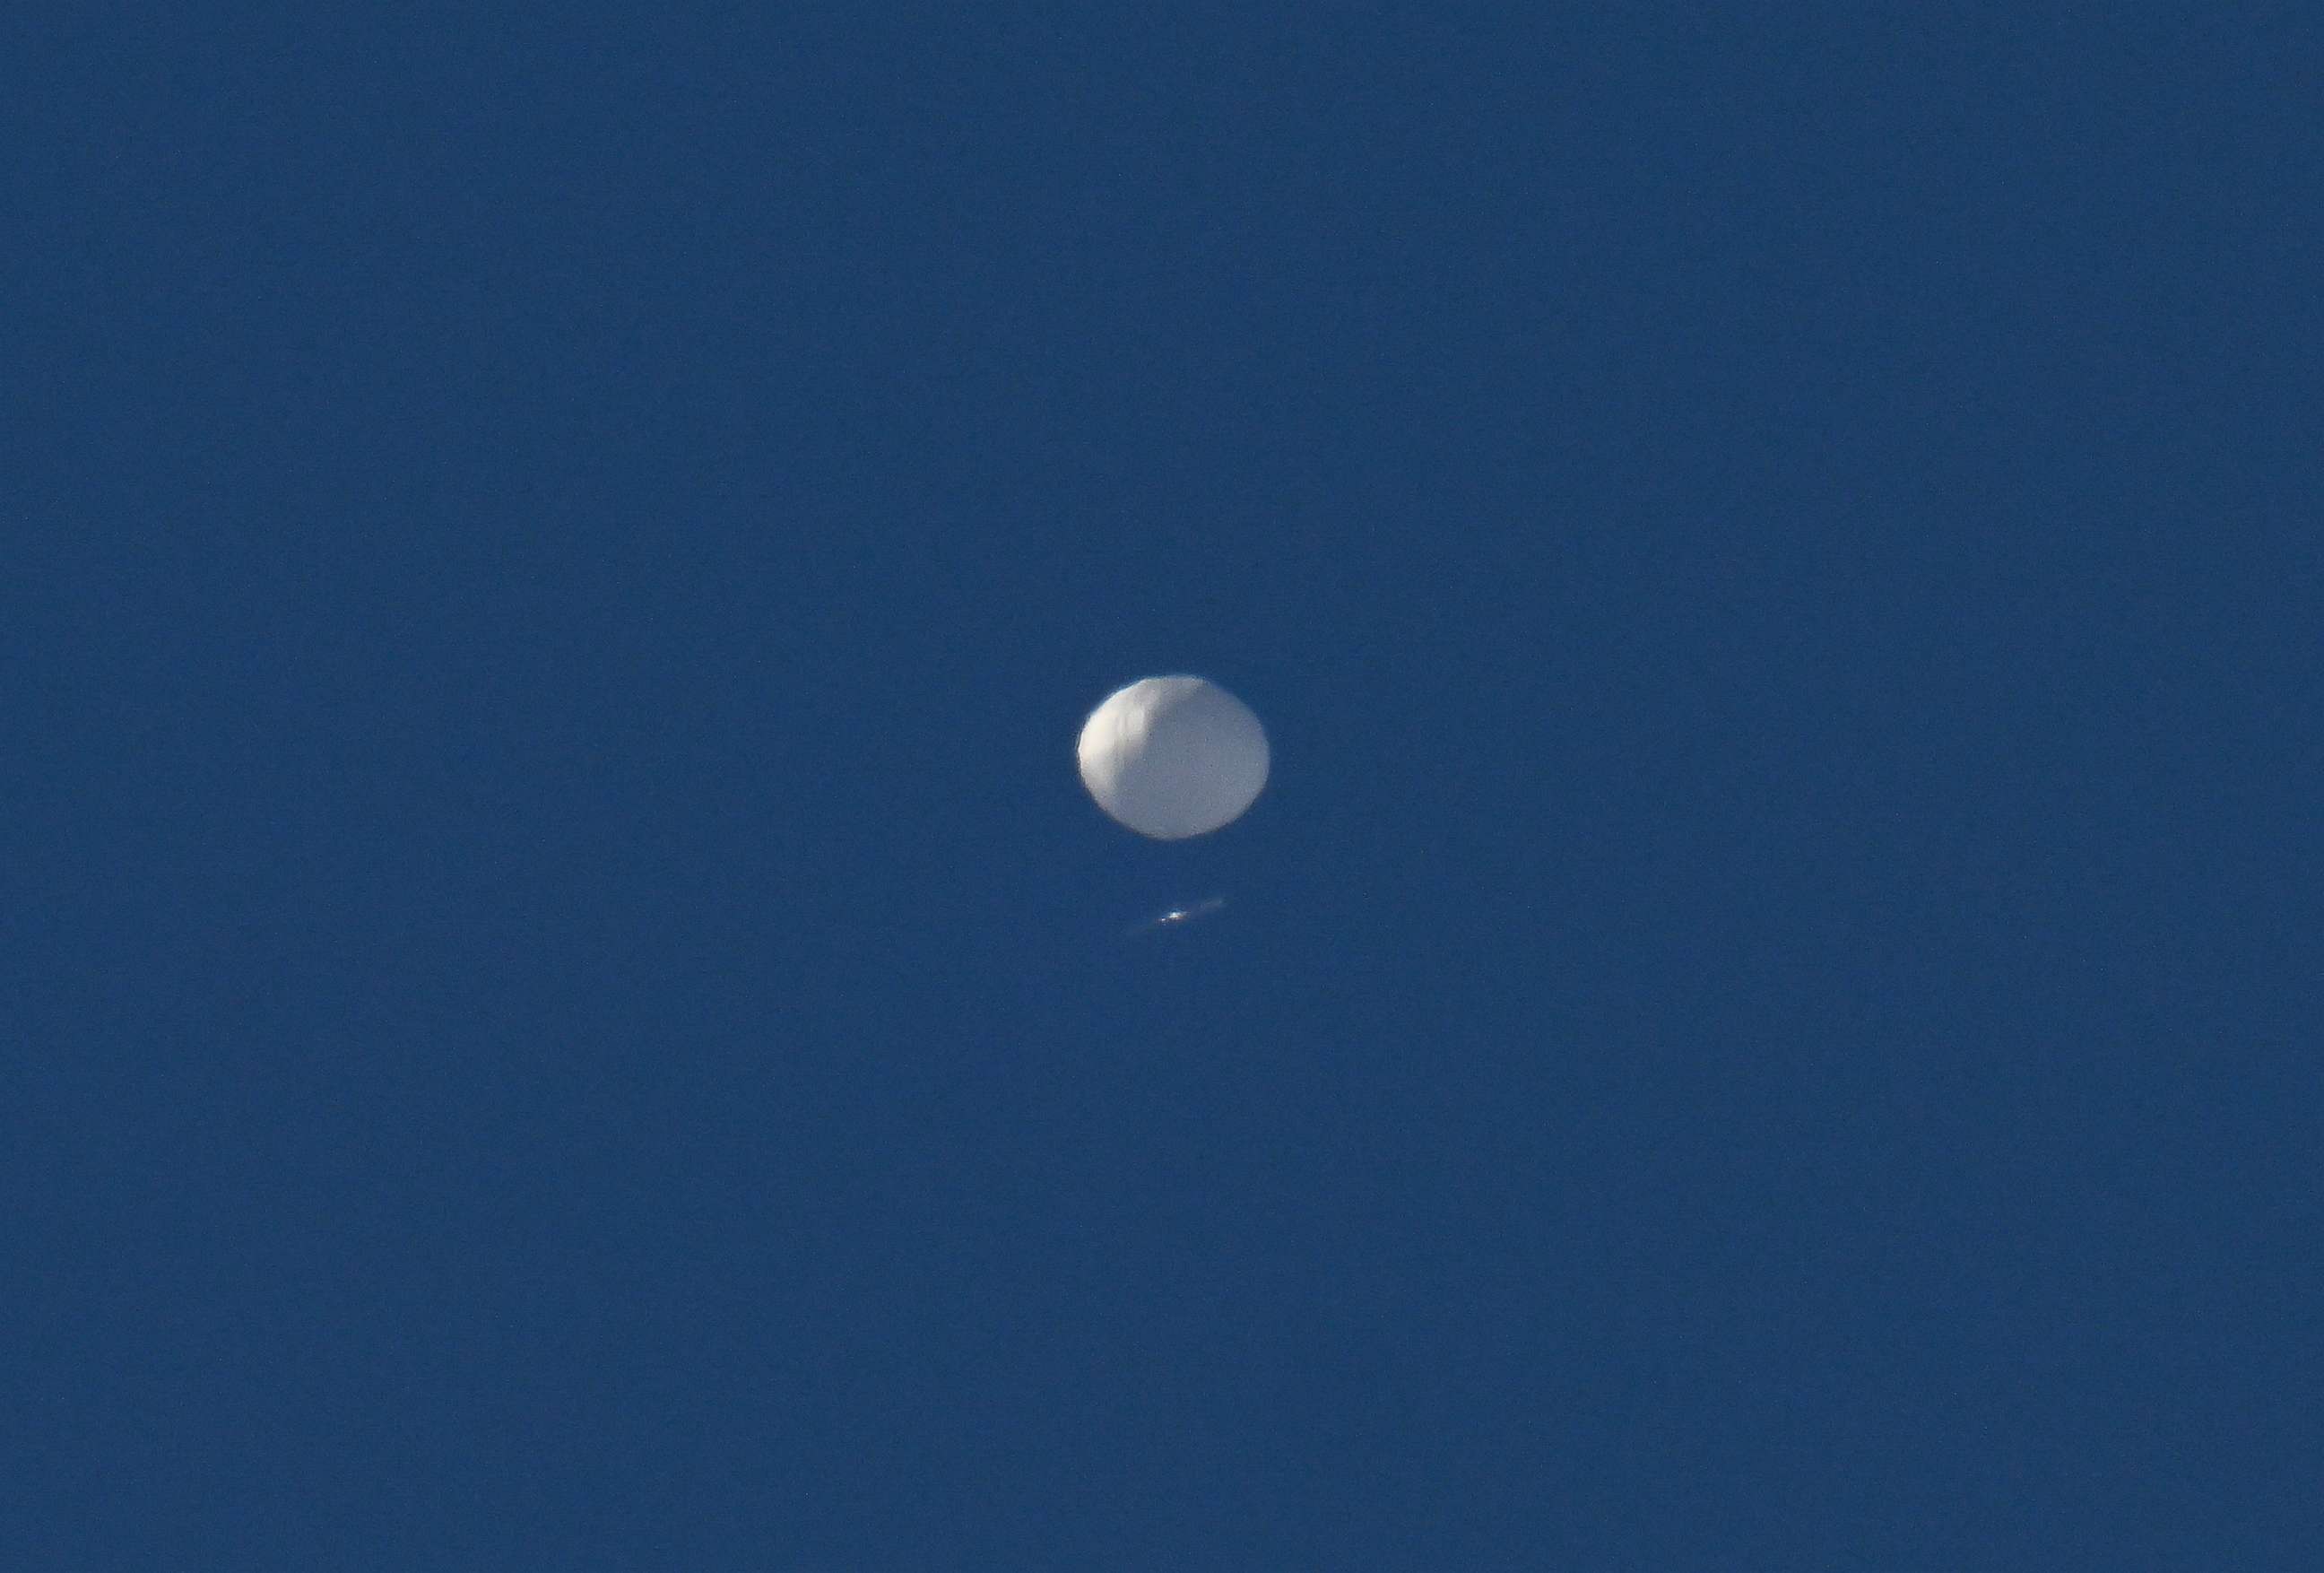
(1172, 756)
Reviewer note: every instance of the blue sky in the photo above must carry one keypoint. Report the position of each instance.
(565, 1005)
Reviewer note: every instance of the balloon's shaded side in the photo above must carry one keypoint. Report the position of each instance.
(1171, 757)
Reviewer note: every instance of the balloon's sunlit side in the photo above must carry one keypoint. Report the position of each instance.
(1172, 756)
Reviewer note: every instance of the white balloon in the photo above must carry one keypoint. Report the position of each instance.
(1172, 756)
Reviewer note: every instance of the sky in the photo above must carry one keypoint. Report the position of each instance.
(562, 1005)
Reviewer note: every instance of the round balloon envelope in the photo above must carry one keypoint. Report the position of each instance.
(1172, 756)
